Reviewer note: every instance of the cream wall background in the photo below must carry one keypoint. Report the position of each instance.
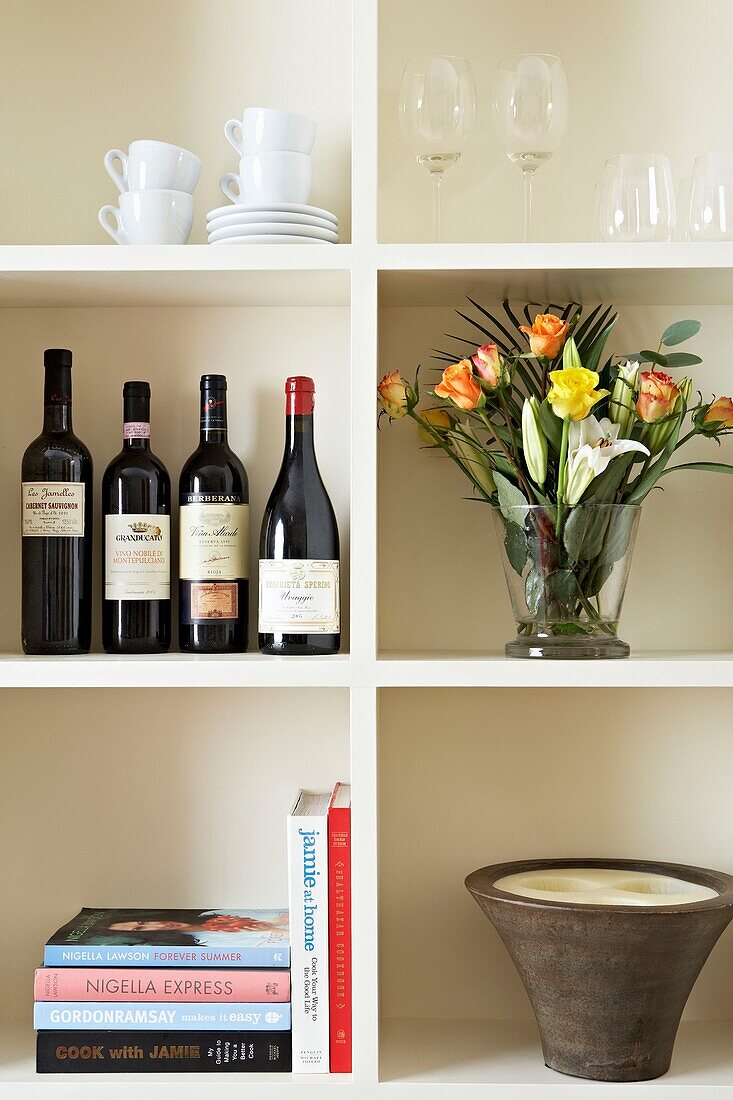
(441, 586)
(151, 797)
(84, 76)
(468, 778)
(644, 76)
(257, 348)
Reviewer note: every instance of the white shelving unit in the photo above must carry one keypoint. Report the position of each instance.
(166, 780)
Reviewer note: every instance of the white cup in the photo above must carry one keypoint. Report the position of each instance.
(266, 130)
(153, 166)
(149, 217)
(270, 177)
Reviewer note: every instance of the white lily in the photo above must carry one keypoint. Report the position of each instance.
(623, 397)
(592, 444)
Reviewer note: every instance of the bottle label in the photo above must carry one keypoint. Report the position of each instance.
(214, 601)
(299, 597)
(52, 509)
(135, 429)
(137, 555)
(214, 537)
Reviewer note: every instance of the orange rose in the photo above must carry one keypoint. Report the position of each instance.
(547, 335)
(657, 396)
(489, 365)
(460, 386)
(392, 393)
(720, 413)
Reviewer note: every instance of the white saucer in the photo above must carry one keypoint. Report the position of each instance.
(269, 216)
(276, 229)
(270, 238)
(282, 207)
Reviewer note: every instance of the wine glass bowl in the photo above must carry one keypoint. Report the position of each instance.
(530, 115)
(437, 112)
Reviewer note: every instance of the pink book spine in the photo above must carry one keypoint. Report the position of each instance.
(89, 984)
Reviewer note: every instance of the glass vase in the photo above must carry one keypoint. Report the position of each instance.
(566, 570)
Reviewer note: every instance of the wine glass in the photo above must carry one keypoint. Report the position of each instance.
(437, 111)
(637, 198)
(530, 115)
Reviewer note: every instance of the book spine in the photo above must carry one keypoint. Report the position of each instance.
(308, 889)
(339, 937)
(163, 1052)
(93, 984)
(142, 1016)
(58, 954)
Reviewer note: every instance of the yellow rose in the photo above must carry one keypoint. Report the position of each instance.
(392, 394)
(439, 419)
(574, 392)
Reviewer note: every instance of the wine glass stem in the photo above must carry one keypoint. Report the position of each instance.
(528, 174)
(437, 178)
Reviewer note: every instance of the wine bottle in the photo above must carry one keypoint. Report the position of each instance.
(136, 500)
(56, 478)
(214, 535)
(299, 599)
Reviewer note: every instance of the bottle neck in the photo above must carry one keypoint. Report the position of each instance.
(299, 446)
(213, 424)
(136, 422)
(57, 400)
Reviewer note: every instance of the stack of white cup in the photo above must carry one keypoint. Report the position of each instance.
(270, 191)
(156, 182)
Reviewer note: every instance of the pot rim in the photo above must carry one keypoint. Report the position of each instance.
(480, 883)
(571, 508)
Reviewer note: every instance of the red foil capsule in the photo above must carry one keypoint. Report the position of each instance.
(299, 396)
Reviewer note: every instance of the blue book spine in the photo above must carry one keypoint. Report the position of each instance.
(59, 954)
(147, 1016)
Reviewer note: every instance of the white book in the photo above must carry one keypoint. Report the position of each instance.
(308, 890)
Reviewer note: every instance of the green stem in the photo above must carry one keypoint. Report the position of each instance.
(685, 439)
(510, 458)
(562, 472)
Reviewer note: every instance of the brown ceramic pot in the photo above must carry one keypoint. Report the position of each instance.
(607, 983)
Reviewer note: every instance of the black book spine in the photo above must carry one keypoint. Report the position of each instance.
(163, 1052)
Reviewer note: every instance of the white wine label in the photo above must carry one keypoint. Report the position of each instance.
(214, 542)
(217, 600)
(52, 508)
(137, 557)
(299, 597)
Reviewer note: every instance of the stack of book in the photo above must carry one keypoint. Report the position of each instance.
(319, 869)
(125, 990)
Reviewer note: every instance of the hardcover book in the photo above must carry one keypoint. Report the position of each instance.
(339, 927)
(86, 983)
(163, 1052)
(308, 886)
(172, 937)
(146, 1016)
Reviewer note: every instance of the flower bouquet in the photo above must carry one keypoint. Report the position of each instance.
(565, 449)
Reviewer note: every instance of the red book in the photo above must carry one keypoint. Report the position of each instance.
(339, 927)
(86, 983)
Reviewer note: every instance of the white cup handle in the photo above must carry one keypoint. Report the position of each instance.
(230, 133)
(118, 176)
(116, 232)
(227, 184)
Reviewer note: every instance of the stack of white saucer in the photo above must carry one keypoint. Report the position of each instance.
(269, 194)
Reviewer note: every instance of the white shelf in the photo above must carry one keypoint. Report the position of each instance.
(17, 1074)
(170, 275)
(99, 670)
(666, 274)
(476, 670)
(471, 1055)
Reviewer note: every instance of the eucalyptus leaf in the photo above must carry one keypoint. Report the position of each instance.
(584, 531)
(534, 589)
(618, 536)
(653, 357)
(571, 628)
(510, 498)
(682, 359)
(680, 331)
(515, 544)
